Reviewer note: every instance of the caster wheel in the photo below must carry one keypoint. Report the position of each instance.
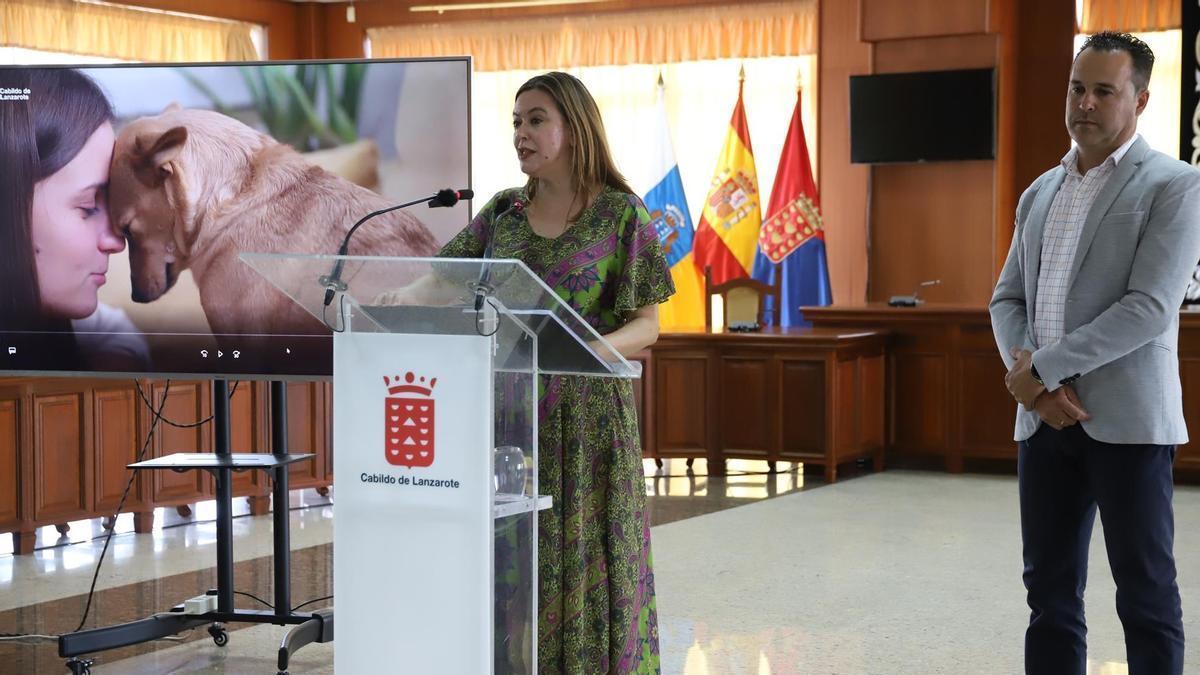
(219, 635)
(78, 667)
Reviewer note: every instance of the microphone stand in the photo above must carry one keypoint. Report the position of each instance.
(483, 289)
(333, 281)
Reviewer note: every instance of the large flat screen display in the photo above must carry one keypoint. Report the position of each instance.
(934, 116)
(128, 192)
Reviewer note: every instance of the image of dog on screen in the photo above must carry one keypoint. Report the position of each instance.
(190, 189)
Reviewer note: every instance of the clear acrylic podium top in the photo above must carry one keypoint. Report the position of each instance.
(439, 296)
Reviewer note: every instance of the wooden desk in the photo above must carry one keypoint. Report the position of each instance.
(805, 395)
(945, 386)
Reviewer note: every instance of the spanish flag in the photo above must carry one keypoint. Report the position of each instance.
(728, 232)
(668, 209)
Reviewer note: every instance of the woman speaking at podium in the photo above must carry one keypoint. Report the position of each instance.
(578, 225)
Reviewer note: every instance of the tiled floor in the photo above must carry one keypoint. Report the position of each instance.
(46, 593)
(897, 572)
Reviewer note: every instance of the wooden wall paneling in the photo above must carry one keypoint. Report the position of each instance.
(745, 401)
(946, 210)
(310, 31)
(19, 422)
(843, 186)
(942, 209)
(247, 418)
(897, 19)
(1005, 19)
(945, 53)
(117, 442)
(187, 402)
(63, 457)
(1035, 62)
(10, 463)
(306, 433)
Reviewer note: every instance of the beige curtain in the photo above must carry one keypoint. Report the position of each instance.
(122, 33)
(694, 34)
(1133, 16)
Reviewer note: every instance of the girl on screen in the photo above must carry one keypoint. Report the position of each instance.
(56, 143)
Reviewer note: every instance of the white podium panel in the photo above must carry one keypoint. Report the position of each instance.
(413, 519)
(436, 451)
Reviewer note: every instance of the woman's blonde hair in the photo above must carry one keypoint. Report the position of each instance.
(591, 160)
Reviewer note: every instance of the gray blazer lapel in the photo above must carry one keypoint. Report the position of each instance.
(1035, 227)
(1116, 182)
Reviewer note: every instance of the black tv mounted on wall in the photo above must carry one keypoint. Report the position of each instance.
(933, 116)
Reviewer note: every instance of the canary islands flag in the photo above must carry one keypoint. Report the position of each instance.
(792, 240)
(728, 231)
(669, 213)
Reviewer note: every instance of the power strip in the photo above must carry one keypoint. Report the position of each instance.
(201, 604)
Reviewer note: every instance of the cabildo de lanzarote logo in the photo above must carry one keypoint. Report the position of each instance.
(408, 420)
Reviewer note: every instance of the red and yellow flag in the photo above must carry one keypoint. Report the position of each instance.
(728, 231)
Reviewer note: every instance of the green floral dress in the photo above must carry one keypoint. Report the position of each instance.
(597, 611)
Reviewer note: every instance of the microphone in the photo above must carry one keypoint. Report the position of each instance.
(450, 197)
(912, 300)
(333, 281)
(504, 206)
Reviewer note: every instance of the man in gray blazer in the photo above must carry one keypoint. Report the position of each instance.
(1086, 316)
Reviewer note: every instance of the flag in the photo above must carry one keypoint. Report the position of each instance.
(729, 222)
(670, 217)
(792, 240)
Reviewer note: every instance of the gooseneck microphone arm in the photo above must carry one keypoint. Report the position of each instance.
(333, 281)
(483, 288)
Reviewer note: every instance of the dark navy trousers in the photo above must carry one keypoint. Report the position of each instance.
(1063, 477)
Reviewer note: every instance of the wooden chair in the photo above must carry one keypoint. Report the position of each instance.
(739, 288)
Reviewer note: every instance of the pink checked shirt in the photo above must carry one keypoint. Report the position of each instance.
(1060, 239)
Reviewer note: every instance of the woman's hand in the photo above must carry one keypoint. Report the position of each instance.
(430, 291)
(639, 332)
(398, 296)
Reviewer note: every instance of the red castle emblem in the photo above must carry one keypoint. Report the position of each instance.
(408, 421)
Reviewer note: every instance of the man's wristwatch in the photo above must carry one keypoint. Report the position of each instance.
(1033, 371)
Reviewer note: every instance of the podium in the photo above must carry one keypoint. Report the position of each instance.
(435, 423)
